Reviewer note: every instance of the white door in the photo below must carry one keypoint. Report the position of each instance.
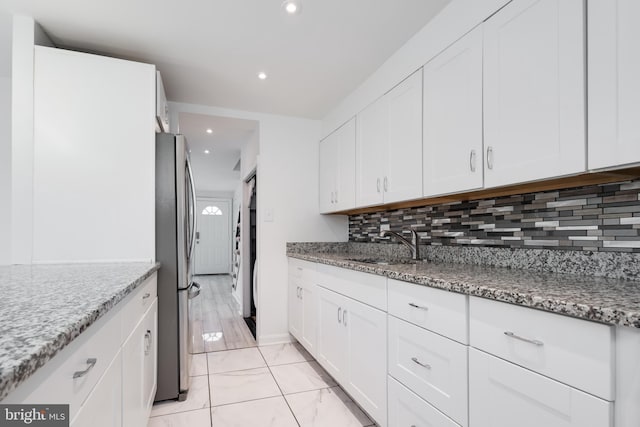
(332, 336)
(308, 297)
(328, 167)
(371, 146)
(453, 118)
(403, 175)
(346, 170)
(367, 361)
(213, 236)
(534, 89)
(502, 394)
(614, 86)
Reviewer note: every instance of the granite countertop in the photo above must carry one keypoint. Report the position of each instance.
(45, 307)
(605, 300)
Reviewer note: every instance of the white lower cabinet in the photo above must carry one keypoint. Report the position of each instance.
(103, 407)
(432, 366)
(107, 375)
(502, 394)
(351, 340)
(407, 409)
(139, 364)
(303, 304)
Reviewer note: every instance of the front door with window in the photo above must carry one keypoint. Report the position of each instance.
(213, 237)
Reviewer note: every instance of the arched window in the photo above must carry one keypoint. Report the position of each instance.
(211, 210)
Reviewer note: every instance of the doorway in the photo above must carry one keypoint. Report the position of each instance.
(213, 236)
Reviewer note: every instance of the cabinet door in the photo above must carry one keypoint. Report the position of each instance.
(403, 177)
(295, 308)
(367, 360)
(452, 157)
(332, 336)
(139, 360)
(407, 409)
(534, 111)
(346, 171)
(103, 407)
(327, 172)
(371, 152)
(614, 87)
(504, 395)
(308, 302)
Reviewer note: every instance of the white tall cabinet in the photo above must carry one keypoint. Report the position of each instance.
(93, 158)
(337, 169)
(389, 146)
(614, 86)
(534, 90)
(452, 151)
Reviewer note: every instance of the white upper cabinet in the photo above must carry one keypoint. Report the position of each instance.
(452, 151)
(337, 169)
(389, 146)
(534, 89)
(614, 86)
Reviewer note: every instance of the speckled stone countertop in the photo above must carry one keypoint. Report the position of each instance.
(606, 300)
(45, 307)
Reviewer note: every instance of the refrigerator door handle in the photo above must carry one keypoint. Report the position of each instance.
(192, 210)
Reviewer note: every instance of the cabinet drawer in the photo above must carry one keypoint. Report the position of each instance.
(302, 272)
(137, 304)
(502, 394)
(433, 367)
(575, 352)
(407, 409)
(439, 311)
(368, 288)
(54, 383)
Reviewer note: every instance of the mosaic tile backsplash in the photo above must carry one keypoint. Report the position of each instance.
(594, 218)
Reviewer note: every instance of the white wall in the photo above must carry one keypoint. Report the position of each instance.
(288, 186)
(5, 170)
(455, 20)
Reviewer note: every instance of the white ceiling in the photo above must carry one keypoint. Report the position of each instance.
(214, 171)
(210, 51)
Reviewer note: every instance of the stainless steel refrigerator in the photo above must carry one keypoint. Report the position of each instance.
(175, 238)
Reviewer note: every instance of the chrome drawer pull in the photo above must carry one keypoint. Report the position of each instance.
(339, 313)
(91, 362)
(147, 295)
(424, 365)
(421, 307)
(512, 335)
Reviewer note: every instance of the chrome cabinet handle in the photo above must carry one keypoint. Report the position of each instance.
(344, 318)
(421, 307)
(333, 198)
(472, 160)
(339, 313)
(424, 365)
(336, 195)
(386, 184)
(378, 184)
(517, 337)
(301, 293)
(147, 342)
(91, 362)
(490, 157)
(146, 295)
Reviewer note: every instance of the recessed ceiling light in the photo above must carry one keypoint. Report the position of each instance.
(209, 130)
(206, 151)
(291, 6)
(262, 75)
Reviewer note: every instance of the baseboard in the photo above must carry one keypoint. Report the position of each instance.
(274, 339)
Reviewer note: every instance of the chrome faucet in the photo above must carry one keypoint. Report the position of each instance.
(411, 244)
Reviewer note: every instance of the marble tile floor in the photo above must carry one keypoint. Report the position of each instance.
(215, 319)
(270, 386)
